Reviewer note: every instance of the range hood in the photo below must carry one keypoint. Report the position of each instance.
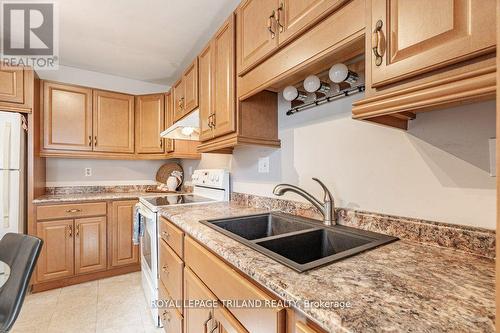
(188, 128)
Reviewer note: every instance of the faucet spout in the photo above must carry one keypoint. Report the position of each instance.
(327, 208)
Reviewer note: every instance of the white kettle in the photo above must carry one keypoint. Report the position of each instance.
(174, 180)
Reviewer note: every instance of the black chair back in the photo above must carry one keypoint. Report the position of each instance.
(20, 252)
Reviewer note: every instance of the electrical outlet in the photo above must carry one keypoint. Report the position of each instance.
(264, 165)
(88, 172)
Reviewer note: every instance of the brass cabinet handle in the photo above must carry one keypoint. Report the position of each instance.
(180, 103)
(166, 316)
(90, 140)
(161, 143)
(205, 323)
(270, 24)
(215, 326)
(70, 231)
(164, 269)
(377, 42)
(280, 10)
(77, 233)
(74, 210)
(165, 234)
(95, 140)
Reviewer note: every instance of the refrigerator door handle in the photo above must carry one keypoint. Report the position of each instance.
(5, 195)
(6, 175)
(6, 146)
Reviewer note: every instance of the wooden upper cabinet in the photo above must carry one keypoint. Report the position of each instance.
(169, 120)
(56, 257)
(205, 67)
(149, 123)
(90, 244)
(123, 251)
(416, 37)
(224, 79)
(179, 100)
(113, 119)
(190, 79)
(12, 85)
(257, 31)
(67, 117)
(294, 16)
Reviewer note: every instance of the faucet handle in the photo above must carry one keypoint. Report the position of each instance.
(327, 196)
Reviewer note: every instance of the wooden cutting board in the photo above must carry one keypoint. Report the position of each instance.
(166, 170)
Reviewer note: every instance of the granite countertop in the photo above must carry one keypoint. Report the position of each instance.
(73, 197)
(399, 287)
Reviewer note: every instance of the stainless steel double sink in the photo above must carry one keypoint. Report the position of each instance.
(299, 243)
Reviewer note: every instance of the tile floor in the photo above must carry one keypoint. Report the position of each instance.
(116, 304)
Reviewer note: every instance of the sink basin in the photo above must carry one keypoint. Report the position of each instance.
(299, 243)
(259, 226)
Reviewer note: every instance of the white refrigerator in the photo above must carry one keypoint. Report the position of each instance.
(12, 176)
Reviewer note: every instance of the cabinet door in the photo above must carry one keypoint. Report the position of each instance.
(224, 322)
(257, 34)
(197, 319)
(149, 123)
(67, 117)
(205, 86)
(178, 99)
(419, 36)
(169, 120)
(304, 328)
(296, 16)
(113, 118)
(56, 258)
(12, 85)
(223, 78)
(123, 251)
(191, 87)
(90, 244)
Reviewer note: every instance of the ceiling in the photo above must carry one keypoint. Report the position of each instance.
(147, 40)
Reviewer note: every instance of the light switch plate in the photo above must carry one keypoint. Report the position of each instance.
(264, 165)
(493, 157)
(88, 172)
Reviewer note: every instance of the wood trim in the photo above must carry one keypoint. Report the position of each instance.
(231, 140)
(467, 87)
(114, 235)
(84, 278)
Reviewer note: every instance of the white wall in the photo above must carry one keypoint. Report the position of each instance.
(67, 172)
(98, 80)
(438, 170)
(71, 172)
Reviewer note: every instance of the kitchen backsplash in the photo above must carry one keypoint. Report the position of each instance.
(472, 240)
(61, 190)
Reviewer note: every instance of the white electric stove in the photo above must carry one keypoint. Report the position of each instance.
(209, 185)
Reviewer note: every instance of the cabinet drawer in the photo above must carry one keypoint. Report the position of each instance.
(70, 210)
(171, 270)
(228, 284)
(170, 318)
(173, 236)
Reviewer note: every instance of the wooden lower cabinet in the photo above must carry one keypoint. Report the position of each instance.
(84, 241)
(56, 258)
(197, 319)
(123, 251)
(90, 245)
(224, 322)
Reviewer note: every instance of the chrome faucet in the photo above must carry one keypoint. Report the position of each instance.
(327, 208)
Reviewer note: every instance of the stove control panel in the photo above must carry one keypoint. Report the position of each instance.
(213, 178)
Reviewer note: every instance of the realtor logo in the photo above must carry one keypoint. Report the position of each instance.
(29, 34)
